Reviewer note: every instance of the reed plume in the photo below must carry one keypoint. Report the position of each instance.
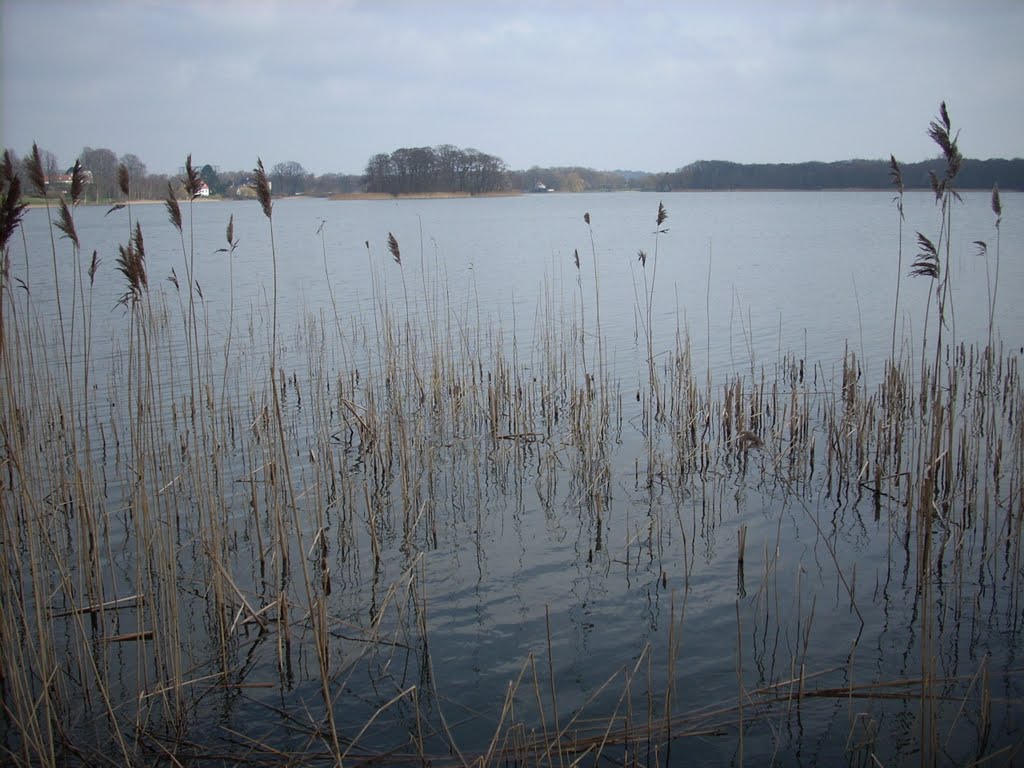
(94, 265)
(262, 186)
(66, 224)
(7, 172)
(77, 183)
(131, 262)
(12, 208)
(927, 263)
(396, 252)
(123, 179)
(939, 132)
(173, 209)
(192, 181)
(34, 168)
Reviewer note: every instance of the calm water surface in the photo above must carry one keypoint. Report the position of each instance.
(648, 584)
(805, 272)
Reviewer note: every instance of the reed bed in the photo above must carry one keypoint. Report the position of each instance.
(223, 549)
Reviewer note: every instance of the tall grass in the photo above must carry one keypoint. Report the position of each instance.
(254, 563)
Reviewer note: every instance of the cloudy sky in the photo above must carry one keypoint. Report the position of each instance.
(649, 85)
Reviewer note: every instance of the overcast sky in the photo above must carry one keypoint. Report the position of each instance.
(610, 85)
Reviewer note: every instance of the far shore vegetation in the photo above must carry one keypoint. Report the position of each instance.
(448, 171)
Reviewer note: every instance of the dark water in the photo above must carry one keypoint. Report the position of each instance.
(617, 570)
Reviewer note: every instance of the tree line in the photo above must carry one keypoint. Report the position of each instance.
(575, 179)
(846, 174)
(101, 167)
(449, 169)
(444, 168)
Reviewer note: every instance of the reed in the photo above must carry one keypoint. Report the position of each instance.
(249, 528)
(896, 176)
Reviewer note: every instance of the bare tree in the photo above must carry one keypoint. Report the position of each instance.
(288, 178)
(102, 164)
(50, 165)
(378, 173)
(136, 173)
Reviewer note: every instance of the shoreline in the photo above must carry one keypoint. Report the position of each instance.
(371, 196)
(418, 195)
(340, 196)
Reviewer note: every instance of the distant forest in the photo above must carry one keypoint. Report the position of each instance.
(444, 168)
(847, 174)
(449, 169)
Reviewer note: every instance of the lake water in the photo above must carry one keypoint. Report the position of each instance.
(807, 271)
(477, 551)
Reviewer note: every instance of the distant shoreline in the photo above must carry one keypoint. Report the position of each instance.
(416, 195)
(55, 202)
(338, 196)
(351, 196)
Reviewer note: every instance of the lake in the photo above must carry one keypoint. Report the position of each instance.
(516, 495)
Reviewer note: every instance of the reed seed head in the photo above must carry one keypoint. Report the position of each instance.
(66, 224)
(140, 249)
(94, 265)
(262, 186)
(7, 171)
(393, 247)
(576, 257)
(662, 214)
(927, 264)
(192, 180)
(11, 207)
(939, 131)
(123, 179)
(230, 232)
(586, 218)
(895, 174)
(173, 209)
(34, 168)
(126, 265)
(641, 256)
(997, 205)
(77, 183)
(131, 262)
